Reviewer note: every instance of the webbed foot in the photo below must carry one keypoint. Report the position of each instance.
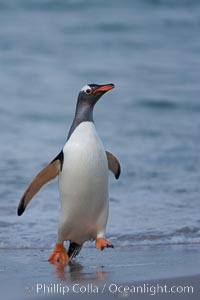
(101, 243)
(59, 255)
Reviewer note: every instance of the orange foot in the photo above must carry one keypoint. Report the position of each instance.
(59, 255)
(102, 243)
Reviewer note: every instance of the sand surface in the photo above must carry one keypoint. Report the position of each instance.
(26, 273)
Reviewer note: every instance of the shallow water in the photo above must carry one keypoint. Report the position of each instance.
(151, 121)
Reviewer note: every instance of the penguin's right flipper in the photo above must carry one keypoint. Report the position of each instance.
(45, 175)
(113, 164)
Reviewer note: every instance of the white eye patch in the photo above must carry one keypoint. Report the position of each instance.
(87, 89)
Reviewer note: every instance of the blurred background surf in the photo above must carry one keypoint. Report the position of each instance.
(150, 121)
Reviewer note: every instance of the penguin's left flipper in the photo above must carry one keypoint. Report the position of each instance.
(45, 175)
(113, 164)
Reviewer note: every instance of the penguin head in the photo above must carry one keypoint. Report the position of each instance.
(91, 93)
(87, 98)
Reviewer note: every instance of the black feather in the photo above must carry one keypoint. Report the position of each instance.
(74, 249)
(118, 172)
(21, 209)
(60, 156)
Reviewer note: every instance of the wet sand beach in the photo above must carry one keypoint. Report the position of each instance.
(27, 273)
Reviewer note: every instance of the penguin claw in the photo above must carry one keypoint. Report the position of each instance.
(59, 255)
(101, 243)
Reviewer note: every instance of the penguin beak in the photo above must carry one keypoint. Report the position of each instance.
(104, 88)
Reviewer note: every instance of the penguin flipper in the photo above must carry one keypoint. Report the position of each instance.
(113, 164)
(45, 175)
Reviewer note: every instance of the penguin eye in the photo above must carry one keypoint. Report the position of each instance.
(88, 91)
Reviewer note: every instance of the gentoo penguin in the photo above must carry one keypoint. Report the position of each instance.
(82, 167)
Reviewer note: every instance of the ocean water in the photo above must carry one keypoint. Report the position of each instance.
(150, 121)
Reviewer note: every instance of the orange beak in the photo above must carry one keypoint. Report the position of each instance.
(104, 88)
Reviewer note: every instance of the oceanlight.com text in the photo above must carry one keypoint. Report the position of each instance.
(113, 288)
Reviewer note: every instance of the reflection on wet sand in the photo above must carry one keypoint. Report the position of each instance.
(76, 272)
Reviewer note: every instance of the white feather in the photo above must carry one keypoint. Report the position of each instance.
(83, 186)
(85, 88)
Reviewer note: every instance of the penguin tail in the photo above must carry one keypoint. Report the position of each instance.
(74, 250)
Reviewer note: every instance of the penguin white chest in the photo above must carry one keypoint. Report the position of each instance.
(83, 186)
